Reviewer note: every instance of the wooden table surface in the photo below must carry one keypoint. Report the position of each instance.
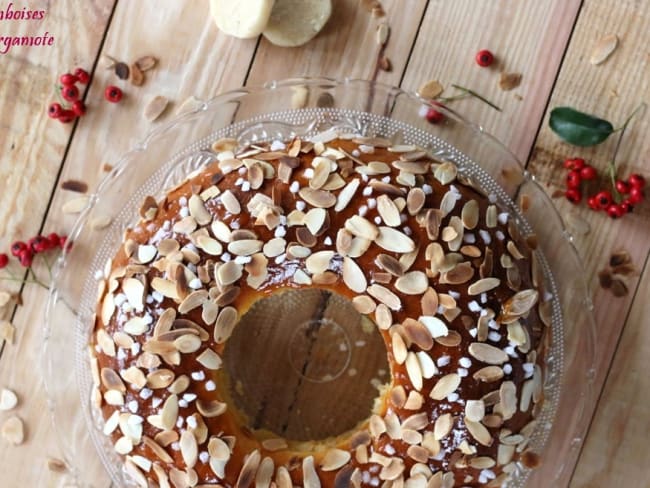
(548, 41)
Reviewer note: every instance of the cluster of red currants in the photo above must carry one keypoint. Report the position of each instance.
(626, 195)
(25, 251)
(70, 93)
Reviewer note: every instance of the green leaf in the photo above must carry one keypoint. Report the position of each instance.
(578, 128)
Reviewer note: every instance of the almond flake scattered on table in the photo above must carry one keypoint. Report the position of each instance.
(8, 399)
(430, 89)
(603, 49)
(156, 107)
(7, 331)
(509, 81)
(75, 205)
(13, 431)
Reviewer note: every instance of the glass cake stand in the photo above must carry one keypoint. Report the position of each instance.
(282, 110)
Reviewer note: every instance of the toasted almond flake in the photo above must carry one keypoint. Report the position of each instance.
(353, 276)
(187, 343)
(399, 348)
(603, 49)
(443, 426)
(225, 324)
(364, 304)
(230, 202)
(210, 408)
(483, 285)
(309, 474)
(427, 365)
(335, 459)
(299, 97)
(412, 283)
(509, 81)
(508, 399)
(315, 219)
(487, 354)
(469, 214)
(430, 89)
(245, 247)
(123, 445)
(417, 333)
(146, 253)
(169, 412)
(317, 198)
(388, 211)
(445, 386)
(415, 201)
(221, 231)
(393, 471)
(319, 262)
(445, 173)
(346, 194)
(274, 247)
(209, 245)
(114, 397)
(218, 449)
(111, 380)
(76, 205)
(414, 371)
(479, 432)
(489, 374)
(385, 296)
(228, 273)
(160, 378)
(361, 227)
(393, 240)
(517, 305)
(383, 317)
(436, 327)
(192, 301)
(189, 448)
(474, 410)
(390, 264)
(156, 106)
(514, 251)
(8, 400)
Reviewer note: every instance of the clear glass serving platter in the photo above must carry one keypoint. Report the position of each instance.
(282, 110)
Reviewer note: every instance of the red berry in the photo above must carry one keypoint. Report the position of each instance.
(67, 116)
(54, 110)
(68, 79)
(604, 199)
(26, 257)
(615, 211)
(434, 117)
(54, 240)
(82, 75)
(588, 172)
(627, 206)
(113, 94)
(636, 195)
(39, 244)
(573, 195)
(79, 108)
(593, 203)
(4, 261)
(70, 93)
(573, 179)
(484, 58)
(622, 187)
(636, 180)
(574, 163)
(16, 247)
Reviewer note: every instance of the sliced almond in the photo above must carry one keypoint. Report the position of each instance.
(445, 386)
(430, 89)
(385, 296)
(228, 273)
(393, 240)
(346, 194)
(443, 426)
(489, 374)
(156, 106)
(8, 399)
(388, 211)
(169, 412)
(412, 283)
(361, 227)
(318, 198)
(414, 371)
(335, 459)
(230, 202)
(509, 81)
(483, 285)
(474, 410)
(487, 354)
(470, 214)
(479, 432)
(353, 276)
(390, 264)
(415, 200)
(210, 408)
(189, 448)
(603, 49)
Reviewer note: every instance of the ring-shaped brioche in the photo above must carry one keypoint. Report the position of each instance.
(439, 268)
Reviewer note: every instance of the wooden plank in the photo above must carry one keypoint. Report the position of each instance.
(615, 452)
(611, 90)
(32, 144)
(346, 47)
(202, 65)
(527, 37)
